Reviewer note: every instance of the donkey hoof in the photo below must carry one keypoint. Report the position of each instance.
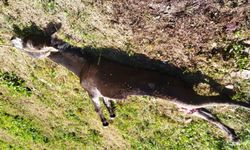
(105, 124)
(112, 117)
(235, 139)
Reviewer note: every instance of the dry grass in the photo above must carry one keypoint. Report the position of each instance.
(59, 115)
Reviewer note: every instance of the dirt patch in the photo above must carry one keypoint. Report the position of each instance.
(177, 30)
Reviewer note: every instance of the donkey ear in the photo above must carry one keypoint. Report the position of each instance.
(52, 28)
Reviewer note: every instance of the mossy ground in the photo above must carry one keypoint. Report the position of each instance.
(42, 105)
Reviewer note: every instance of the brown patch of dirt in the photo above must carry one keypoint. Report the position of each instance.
(176, 30)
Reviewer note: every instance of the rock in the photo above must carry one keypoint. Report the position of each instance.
(247, 42)
(214, 45)
(244, 74)
(230, 87)
(247, 50)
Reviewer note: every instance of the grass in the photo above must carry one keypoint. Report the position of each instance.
(64, 118)
(15, 83)
(42, 105)
(49, 6)
(240, 56)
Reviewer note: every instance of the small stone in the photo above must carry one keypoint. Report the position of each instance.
(188, 121)
(247, 50)
(214, 45)
(245, 74)
(230, 87)
(247, 42)
(157, 17)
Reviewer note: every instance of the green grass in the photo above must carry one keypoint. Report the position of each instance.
(238, 53)
(67, 120)
(21, 127)
(49, 6)
(15, 83)
(42, 105)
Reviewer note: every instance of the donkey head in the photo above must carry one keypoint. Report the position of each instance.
(35, 41)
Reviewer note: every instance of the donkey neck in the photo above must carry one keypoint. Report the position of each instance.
(69, 60)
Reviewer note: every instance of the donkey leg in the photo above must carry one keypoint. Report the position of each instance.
(110, 106)
(206, 115)
(96, 102)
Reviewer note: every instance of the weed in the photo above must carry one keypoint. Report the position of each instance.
(237, 51)
(5, 145)
(21, 127)
(73, 135)
(70, 114)
(90, 37)
(15, 83)
(49, 6)
(94, 135)
(1, 41)
(240, 96)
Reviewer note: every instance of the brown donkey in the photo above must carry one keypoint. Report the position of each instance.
(110, 80)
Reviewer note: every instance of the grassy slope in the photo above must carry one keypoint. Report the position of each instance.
(59, 115)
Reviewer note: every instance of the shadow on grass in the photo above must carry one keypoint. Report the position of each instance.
(136, 60)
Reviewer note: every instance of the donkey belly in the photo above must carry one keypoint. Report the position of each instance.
(121, 89)
(119, 81)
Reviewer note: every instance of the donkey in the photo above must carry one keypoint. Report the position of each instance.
(110, 80)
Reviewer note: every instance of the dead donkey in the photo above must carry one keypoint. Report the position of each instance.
(110, 80)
